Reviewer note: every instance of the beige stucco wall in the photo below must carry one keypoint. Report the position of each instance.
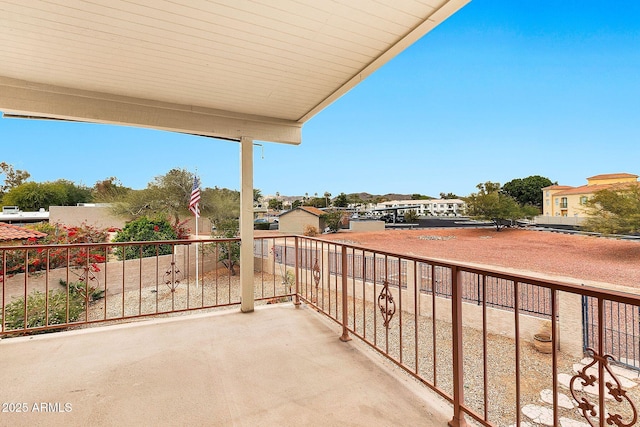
(294, 222)
(97, 216)
(552, 204)
(102, 217)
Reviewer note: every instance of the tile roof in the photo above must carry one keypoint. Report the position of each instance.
(590, 189)
(557, 187)
(310, 209)
(14, 232)
(613, 176)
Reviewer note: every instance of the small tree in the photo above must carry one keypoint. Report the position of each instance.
(228, 252)
(327, 195)
(275, 204)
(411, 216)
(341, 201)
(448, 196)
(492, 204)
(614, 210)
(334, 220)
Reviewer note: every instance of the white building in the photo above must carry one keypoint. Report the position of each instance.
(431, 207)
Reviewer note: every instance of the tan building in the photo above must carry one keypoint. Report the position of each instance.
(295, 220)
(567, 201)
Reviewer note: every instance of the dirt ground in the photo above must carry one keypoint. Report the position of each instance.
(587, 258)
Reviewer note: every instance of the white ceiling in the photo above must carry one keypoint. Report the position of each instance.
(225, 68)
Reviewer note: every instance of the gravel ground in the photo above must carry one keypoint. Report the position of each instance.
(217, 288)
(434, 362)
(582, 257)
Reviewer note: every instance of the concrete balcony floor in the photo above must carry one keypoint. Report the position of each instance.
(277, 366)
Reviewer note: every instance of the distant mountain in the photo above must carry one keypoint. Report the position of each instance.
(366, 197)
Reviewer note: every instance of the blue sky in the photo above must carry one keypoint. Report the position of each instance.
(501, 90)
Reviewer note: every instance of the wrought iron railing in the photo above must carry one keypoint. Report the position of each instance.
(471, 334)
(52, 287)
(465, 332)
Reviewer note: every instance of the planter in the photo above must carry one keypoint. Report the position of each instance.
(542, 343)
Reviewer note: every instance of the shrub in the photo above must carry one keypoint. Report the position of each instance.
(37, 312)
(310, 230)
(57, 234)
(79, 294)
(88, 293)
(144, 229)
(261, 226)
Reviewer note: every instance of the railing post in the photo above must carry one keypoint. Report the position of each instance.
(295, 267)
(345, 332)
(458, 370)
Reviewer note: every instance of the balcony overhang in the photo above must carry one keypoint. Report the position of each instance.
(217, 68)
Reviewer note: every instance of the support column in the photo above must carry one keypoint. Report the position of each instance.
(246, 225)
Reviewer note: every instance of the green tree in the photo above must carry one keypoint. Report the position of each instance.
(31, 196)
(341, 201)
(74, 194)
(327, 195)
(417, 196)
(275, 204)
(527, 191)
(492, 204)
(257, 195)
(316, 202)
(173, 192)
(296, 204)
(166, 196)
(12, 177)
(614, 210)
(448, 196)
(220, 205)
(109, 190)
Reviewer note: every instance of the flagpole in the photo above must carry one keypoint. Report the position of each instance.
(194, 207)
(197, 245)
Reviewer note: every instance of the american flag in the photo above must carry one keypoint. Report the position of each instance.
(195, 198)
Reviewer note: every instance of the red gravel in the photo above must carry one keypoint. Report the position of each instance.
(582, 257)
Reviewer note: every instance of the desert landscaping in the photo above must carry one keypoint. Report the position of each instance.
(592, 260)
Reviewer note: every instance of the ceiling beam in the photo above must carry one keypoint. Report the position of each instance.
(19, 97)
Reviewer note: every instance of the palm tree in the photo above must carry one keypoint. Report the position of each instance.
(326, 198)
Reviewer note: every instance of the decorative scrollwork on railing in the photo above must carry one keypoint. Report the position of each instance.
(316, 279)
(87, 276)
(316, 273)
(90, 282)
(386, 304)
(614, 389)
(172, 277)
